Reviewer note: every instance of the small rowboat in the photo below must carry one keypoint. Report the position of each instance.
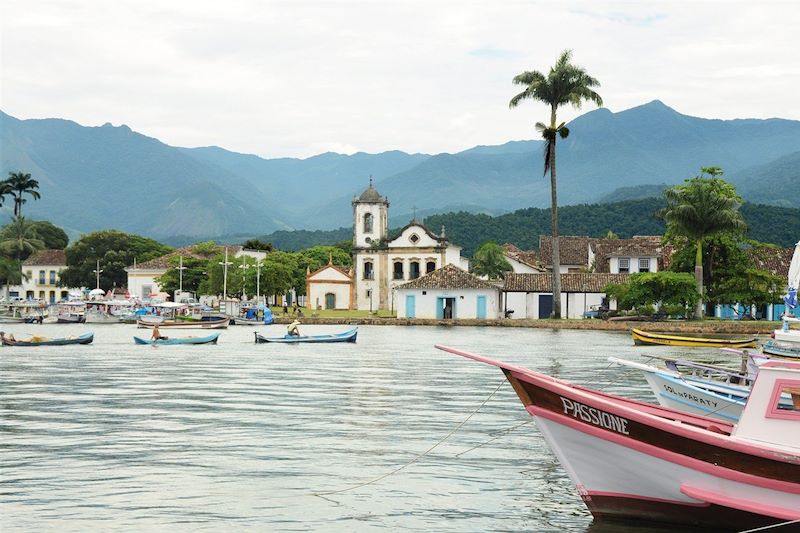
(37, 340)
(211, 339)
(781, 350)
(665, 339)
(184, 324)
(346, 336)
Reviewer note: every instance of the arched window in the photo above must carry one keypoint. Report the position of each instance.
(369, 272)
(413, 270)
(398, 270)
(430, 266)
(368, 223)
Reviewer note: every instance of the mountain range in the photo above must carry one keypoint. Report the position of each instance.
(107, 176)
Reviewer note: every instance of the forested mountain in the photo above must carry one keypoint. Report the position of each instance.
(775, 183)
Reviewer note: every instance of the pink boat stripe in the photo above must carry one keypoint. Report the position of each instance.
(666, 455)
(605, 494)
(694, 433)
(737, 503)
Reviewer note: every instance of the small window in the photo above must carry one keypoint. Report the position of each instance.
(368, 223)
(413, 270)
(644, 264)
(785, 401)
(430, 266)
(41, 277)
(398, 270)
(414, 238)
(624, 265)
(369, 273)
(52, 277)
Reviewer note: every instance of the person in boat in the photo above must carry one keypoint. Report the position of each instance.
(7, 340)
(157, 336)
(293, 329)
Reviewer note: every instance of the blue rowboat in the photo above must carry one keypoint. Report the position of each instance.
(346, 336)
(211, 339)
(781, 350)
(36, 340)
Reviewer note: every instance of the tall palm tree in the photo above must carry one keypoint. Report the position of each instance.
(564, 84)
(18, 238)
(5, 190)
(20, 184)
(705, 206)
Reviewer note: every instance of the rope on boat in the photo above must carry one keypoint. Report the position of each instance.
(322, 494)
(501, 433)
(779, 524)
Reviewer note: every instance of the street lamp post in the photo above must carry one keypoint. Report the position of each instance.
(225, 275)
(97, 274)
(258, 280)
(244, 266)
(180, 270)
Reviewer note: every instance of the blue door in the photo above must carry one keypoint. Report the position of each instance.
(481, 312)
(411, 304)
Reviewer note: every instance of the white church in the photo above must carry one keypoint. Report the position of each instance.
(380, 264)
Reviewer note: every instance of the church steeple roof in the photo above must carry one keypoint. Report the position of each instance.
(372, 196)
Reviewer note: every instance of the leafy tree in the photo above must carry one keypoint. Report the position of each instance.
(5, 190)
(20, 184)
(256, 244)
(54, 237)
(10, 272)
(19, 239)
(705, 206)
(674, 290)
(564, 84)
(194, 273)
(116, 250)
(490, 261)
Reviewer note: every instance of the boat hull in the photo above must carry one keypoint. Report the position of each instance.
(211, 339)
(721, 401)
(86, 338)
(184, 324)
(647, 338)
(776, 349)
(346, 336)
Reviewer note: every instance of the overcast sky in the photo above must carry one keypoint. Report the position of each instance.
(297, 78)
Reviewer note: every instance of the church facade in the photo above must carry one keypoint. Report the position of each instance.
(380, 264)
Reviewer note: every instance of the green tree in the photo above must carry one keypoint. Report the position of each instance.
(20, 184)
(54, 237)
(705, 206)
(256, 244)
(115, 250)
(564, 84)
(5, 190)
(195, 271)
(10, 272)
(490, 261)
(19, 239)
(672, 290)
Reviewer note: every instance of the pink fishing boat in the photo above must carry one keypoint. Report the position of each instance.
(634, 460)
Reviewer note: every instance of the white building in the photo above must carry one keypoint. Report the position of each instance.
(330, 287)
(533, 293)
(41, 276)
(380, 264)
(448, 293)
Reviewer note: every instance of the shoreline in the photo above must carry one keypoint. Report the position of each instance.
(753, 327)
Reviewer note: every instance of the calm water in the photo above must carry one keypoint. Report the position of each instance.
(115, 436)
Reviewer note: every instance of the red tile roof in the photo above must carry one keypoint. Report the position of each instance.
(47, 257)
(577, 282)
(448, 277)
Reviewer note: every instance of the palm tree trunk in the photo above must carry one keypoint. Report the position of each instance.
(698, 276)
(554, 223)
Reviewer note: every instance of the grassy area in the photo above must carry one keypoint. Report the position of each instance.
(338, 313)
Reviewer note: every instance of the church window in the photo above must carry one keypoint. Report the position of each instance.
(369, 272)
(398, 270)
(414, 238)
(413, 270)
(368, 223)
(430, 266)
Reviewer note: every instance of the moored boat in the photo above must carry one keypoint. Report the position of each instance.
(648, 338)
(345, 336)
(184, 324)
(38, 340)
(633, 460)
(210, 339)
(778, 349)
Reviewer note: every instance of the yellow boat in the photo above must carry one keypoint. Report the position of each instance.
(665, 339)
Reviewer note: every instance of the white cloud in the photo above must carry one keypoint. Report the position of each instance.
(282, 78)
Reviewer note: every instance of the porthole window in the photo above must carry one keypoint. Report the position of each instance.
(414, 238)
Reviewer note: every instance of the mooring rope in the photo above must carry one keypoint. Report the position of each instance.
(501, 433)
(322, 494)
(764, 528)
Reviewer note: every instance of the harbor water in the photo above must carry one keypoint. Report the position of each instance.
(118, 437)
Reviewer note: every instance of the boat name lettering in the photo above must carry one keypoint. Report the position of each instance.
(595, 416)
(690, 396)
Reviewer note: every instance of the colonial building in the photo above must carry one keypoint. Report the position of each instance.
(448, 293)
(330, 287)
(381, 263)
(40, 277)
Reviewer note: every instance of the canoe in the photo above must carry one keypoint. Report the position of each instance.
(666, 339)
(184, 324)
(781, 350)
(36, 340)
(211, 339)
(346, 336)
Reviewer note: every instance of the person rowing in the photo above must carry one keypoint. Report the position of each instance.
(293, 329)
(157, 336)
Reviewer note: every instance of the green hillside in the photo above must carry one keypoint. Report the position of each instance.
(775, 183)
